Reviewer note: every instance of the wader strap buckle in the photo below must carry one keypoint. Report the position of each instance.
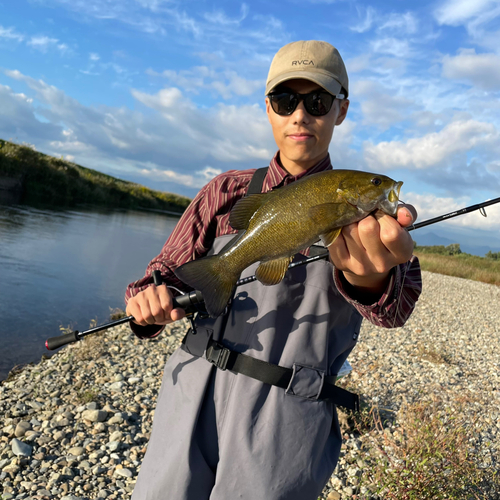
(218, 355)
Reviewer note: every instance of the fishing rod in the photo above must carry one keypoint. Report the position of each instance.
(192, 302)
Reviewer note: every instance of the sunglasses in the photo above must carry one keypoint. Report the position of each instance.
(317, 103)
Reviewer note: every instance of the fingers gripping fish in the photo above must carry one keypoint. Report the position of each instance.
(276, 225)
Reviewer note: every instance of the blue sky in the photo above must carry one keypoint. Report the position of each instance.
(169, 93)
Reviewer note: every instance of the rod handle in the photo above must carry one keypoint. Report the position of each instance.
(55, 342)
(191, 302)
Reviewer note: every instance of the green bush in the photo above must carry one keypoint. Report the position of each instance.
(453, 249)
(55, 181)
(493, 255)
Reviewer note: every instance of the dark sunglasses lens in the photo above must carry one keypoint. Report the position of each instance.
(318, 104)
(284, 104)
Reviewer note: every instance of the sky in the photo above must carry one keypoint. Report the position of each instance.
(170, 93)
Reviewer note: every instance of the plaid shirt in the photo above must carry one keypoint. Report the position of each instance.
(207, 218)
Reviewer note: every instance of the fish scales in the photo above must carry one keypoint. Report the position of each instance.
(275, 226)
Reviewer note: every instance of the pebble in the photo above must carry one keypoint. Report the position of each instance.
(21, 449)
(87, 424)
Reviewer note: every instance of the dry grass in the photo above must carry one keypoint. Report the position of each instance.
(462, 266)
(430, 454)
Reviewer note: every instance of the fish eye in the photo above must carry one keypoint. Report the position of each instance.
(376, 181)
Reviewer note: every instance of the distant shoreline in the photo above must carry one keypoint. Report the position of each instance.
(33, 178)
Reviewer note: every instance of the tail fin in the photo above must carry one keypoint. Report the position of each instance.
(211, 277)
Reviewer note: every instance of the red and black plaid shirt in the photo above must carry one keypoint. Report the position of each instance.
(207, 217)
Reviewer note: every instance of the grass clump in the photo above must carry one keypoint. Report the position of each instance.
(54, 181)
(87, 396)
(431, 453)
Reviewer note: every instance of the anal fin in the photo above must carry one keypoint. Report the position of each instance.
(272, 271)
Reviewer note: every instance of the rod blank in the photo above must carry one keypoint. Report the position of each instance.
(193, 302)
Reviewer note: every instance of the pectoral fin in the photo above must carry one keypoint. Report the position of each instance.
(272, 271)
(330, 237)
(329, 212)
(244, 209)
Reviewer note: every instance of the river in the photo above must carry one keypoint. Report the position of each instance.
(65, 268)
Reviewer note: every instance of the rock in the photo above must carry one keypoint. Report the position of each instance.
(113, 445)
(59, 435)
(116, 419)
(334, 495)
(21, 449)
(116, 436)
(76, 451)
(95, 415)
(63, 422)
(123, 472)
(117, 386)
(21, 428)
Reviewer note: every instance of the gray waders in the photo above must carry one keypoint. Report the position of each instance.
(222, 435)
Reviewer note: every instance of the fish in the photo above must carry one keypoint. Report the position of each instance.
(275, 226)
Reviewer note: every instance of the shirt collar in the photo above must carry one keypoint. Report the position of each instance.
(277, 176)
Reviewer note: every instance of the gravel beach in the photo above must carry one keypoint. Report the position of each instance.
(76, 426)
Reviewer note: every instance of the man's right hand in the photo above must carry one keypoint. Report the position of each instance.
(154, 306)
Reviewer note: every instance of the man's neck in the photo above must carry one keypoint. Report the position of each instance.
(296, 168)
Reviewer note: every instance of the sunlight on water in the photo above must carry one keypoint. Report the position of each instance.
(66, 268)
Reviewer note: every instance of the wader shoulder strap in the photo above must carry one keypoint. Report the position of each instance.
(254, 187)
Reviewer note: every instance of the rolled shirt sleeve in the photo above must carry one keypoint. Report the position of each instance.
(398, 300)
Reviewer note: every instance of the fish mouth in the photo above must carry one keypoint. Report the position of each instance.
(390, 203)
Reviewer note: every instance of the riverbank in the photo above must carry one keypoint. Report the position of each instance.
(77, 426)
(30, 177)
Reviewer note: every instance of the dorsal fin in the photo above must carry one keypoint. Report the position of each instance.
(244, 209)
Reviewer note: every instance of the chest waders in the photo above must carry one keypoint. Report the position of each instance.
(265, 427)
(215, 352)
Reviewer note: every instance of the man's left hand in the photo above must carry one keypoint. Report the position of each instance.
(367, 250)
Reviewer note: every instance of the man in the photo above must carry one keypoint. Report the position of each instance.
(221, 434)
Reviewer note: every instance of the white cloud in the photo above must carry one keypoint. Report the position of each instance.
(177, 137)
(479, 70)
(219, 16)
(457, 12)
(197, 180)
(396, 47)
(478, 16)
(226, 83)
(457, 139)
(44, 43)
(10, 34)
(369, 18)
(403, 24)
(93, 56)
(379, 105)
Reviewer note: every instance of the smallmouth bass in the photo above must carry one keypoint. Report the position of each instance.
(274, 226)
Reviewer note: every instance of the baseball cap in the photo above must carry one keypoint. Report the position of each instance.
(311, 60)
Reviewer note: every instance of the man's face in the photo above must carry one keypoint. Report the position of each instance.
(303, 139)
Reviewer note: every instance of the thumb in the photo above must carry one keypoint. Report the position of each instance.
(406, 215)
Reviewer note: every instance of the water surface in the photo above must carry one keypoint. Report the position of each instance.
(67, 267)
